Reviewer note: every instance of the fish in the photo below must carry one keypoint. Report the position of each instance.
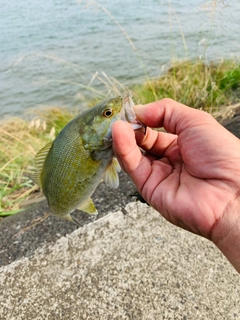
(69, 169)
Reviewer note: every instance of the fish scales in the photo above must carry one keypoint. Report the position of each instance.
(59, 160)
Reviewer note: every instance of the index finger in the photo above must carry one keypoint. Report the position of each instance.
(172, 115)
(154, 142)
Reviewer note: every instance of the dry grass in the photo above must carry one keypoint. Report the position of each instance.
(20, 140)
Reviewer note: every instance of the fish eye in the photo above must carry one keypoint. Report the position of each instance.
(107, 112)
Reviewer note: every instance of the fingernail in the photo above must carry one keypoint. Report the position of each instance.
(139, 108)
(140, 112)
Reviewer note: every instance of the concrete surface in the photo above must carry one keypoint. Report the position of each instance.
(122, 266)
(18, 239)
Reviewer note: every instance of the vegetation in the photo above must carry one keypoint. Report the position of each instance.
(204, 86)
(196, 84)
(19, 141)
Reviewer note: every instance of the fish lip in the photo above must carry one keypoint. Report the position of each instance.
(128, 114)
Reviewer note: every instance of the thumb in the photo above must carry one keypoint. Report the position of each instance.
(129, 154)
(124, 146)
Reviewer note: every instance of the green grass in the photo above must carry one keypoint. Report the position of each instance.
(194, 83)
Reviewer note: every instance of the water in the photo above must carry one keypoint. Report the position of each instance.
(51, 49)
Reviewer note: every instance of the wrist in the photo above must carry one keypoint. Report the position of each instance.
(226, 233)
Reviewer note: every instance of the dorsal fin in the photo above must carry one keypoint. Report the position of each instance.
(39, 161)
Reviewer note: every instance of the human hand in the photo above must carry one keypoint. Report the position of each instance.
(191, 175)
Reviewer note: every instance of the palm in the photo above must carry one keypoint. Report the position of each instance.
(183, 189)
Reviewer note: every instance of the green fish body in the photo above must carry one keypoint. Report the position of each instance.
(70, 168)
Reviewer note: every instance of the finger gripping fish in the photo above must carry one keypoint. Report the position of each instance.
(70, 168)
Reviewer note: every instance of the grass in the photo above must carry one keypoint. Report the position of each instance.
(19, 140)
(204, 86)
(196, 84)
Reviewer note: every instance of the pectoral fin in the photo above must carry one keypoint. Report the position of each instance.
(111, 174)
(88, 207)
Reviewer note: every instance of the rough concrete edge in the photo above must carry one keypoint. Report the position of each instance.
(112, 216)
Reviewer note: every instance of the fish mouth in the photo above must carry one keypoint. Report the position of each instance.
(128, 114)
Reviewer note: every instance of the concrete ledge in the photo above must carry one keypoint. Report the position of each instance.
(122, 266)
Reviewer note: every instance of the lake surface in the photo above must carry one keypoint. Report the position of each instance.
(60, 52)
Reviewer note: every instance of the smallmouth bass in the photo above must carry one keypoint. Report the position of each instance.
(70, 168)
